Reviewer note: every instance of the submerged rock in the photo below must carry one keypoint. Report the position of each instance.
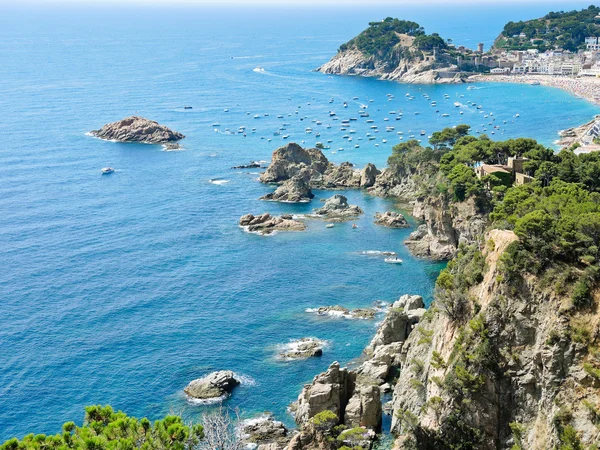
(391, 219)
(340, 311)
(212, 386)
(302, 349)
(137, 129)
(251, 165)
(267, 224)
(294, 190)
(337, 207)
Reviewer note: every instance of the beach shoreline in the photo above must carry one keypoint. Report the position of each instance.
(587, 88)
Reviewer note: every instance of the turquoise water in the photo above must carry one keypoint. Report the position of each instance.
(121, 289)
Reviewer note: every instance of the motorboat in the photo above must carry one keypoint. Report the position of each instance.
(393, 260)
(107, 170)
(329, 225)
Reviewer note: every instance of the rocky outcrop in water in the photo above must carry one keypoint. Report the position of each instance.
(294, 190)
(212, 386)
(391, 219)
(292, 160)
(337, 208)
(340, 311)
(137, 129)
(302, 349)
(267, 224)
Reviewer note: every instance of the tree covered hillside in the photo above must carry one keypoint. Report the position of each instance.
(566, 30)
(381, 40)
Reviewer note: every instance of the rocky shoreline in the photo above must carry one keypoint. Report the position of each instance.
(139, 129)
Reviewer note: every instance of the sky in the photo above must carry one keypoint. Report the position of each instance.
(282, 3)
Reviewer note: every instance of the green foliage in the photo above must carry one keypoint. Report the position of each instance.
(325, 420)
(437, 362)
(104, 428)
(381, 38)
(517, 431)
(566, 30)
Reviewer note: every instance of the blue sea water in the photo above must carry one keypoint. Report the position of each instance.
(121, 289)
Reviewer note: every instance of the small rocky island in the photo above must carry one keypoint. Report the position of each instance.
(302, 349)
(137, 129)
(391, 219)
(337, 209)
(212, 386)
(267, 224)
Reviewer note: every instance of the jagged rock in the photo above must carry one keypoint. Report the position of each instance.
(291, 160)
(337, 207)
(394, 328)
(328, 391)
(302, 349)
(364, 407)
(137, 129)
(409, 302)
(368, 176)
(264, 430)
(343, 175)
(252, 165)
(445, 227)
(172, 146)
(294, 190)
(267, 224)
(340, 311)
(391, 219)
(213, 385)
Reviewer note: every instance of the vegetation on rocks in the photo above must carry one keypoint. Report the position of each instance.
(105, 428)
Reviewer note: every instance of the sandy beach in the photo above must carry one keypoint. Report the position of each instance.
(585, 87)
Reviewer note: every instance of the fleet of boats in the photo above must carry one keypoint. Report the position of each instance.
(374, 134)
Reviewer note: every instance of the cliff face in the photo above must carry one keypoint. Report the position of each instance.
(510, 374)
(445, 226)
(354, 62)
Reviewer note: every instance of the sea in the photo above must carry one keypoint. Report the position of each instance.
(120, 289)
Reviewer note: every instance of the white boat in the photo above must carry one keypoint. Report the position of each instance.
(256, 116)
(216, 124)
(445, 115)
(535, 83)
(470, 88)
(107, 170)
(457, 104)
(329, 225)
(394, 260)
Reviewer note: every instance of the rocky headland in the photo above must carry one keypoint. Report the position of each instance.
(268, 224)
(396, 50)
(137, 129)
(444, 225)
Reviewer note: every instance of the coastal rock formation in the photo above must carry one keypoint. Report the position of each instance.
(329, 391)
(251, 165)
(368, 176)
(445, 227)
(354, 62)
(337, 208)
(137, 129)
(293, 190)
(391, 219)
(212, 386)
(340, 311)
(291, 160)
(302, 349)
(267, 224)
(264, 431)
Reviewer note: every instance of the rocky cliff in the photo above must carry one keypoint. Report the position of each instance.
(499, 365)
(408, 70)
(445, 226)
